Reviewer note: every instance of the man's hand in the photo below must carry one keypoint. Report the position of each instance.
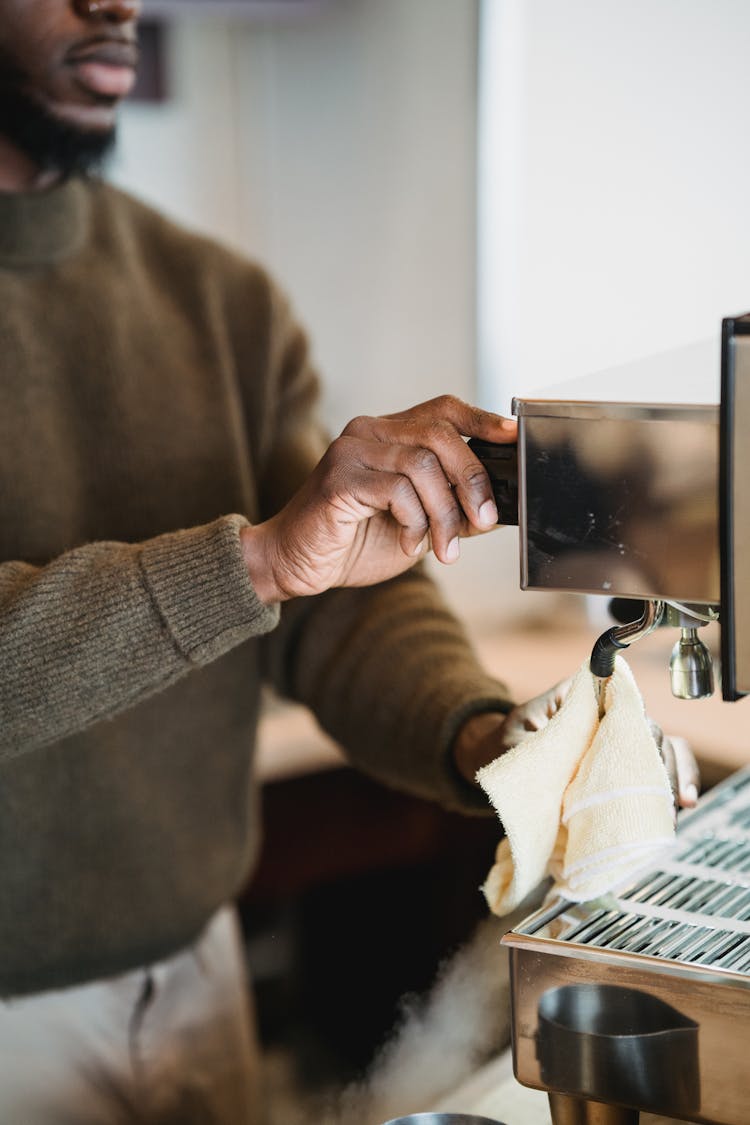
(485, 737)
(682, 768)
(386, 491)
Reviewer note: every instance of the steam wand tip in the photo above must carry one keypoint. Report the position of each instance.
(606, 647)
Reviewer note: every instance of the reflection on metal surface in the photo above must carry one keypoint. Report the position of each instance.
(569, 1110)
(742, 512)
(619, 1044)
(443, 1119)
(619, 499)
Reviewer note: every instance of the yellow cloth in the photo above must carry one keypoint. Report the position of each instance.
(584, 800)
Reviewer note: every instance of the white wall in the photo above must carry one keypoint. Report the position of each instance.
(614, 182)
(340, 149)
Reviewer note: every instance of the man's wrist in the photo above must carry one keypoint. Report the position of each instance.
(478, 742)
(257, 556)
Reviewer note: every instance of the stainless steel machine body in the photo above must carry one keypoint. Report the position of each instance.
(619, 499)
(643, 1000)
(645, 499)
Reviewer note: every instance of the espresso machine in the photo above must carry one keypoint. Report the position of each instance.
(640, 1000)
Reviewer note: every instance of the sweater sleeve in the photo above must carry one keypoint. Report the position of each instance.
(388, 671)
(107, 624)
(391, 675)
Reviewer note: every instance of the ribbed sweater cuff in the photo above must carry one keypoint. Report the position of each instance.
(461, 704)
(457, 791)
(202, 591)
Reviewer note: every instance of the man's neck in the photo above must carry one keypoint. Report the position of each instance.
(18, 172)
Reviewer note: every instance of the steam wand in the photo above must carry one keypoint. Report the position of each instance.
(602, 662)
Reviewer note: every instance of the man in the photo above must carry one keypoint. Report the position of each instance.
(164, 489)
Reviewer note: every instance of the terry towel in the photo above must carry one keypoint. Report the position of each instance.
(585, 800)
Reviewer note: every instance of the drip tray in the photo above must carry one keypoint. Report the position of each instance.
(642, 998)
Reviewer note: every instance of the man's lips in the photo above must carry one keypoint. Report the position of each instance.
(105, 69)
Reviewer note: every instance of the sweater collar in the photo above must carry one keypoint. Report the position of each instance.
(37, 228)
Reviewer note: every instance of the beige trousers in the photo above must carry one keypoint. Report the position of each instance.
(170, 1044)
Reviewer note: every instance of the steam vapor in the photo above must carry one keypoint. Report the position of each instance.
(440, 1039)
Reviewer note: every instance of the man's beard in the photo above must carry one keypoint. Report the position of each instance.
(53, 145)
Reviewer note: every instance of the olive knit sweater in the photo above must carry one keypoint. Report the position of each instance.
(154, 395)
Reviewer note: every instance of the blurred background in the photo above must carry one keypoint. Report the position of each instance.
(475, 196)
(481, 197)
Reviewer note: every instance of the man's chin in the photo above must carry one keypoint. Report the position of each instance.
(62, 137)
(57, 140)
(97, 119)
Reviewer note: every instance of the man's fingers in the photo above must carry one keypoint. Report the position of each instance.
(687, 771)
(444, 514)
(407, 480)
(440, 460)
(389, 492)
(433, 445)
(670, 765)
(681, 766)
(362, 478)
(527, 718)
(471, 421)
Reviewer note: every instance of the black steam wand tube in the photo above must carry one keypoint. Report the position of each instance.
(602, 662)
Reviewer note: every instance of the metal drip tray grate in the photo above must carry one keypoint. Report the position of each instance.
(693, 908)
